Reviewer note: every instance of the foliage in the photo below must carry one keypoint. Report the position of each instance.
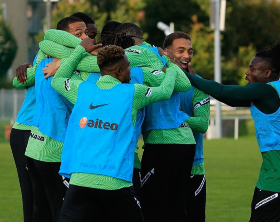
(100, 11)
(250, 24)
(179, 12)
(234, 69)
(203, 44)
(129, 11)
(65, 8)
(106, 6)
(8, 48)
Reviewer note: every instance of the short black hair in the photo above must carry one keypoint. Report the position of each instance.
(111, 35)
(108, 33)
(63, 24)
(125, 34)
(168, 41)
(109, 56)
(85, 18)
(130, 29)
(271, 56)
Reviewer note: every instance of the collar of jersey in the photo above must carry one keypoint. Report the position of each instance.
(107, 82)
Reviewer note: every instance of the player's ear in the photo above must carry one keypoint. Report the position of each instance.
(118, 71)
(268, 73)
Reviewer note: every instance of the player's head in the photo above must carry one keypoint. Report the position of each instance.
(131, 30)
(73, 25)
(113, 61)
(114, 34)
(265, 66)
(179, 45)
(90, 24)
(108, 33)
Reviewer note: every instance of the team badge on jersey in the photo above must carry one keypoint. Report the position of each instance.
(201, 103)
(67, 84)
(77, 73)
(149, 92)
(156, 72)
(133, 50)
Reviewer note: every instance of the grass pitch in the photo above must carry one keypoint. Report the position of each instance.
(232, 169)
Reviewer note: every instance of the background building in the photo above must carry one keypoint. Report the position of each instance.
(26, 19)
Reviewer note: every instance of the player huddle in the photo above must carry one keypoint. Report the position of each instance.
(89, 101)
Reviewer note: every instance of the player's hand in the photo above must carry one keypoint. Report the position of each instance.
(89, 45)
(164, 68)
(161, 51)
(190, 69)
(21, 72)
(96, 51)
(51, 68)
(173, 59)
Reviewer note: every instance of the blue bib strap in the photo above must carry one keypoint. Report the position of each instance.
(155, 50)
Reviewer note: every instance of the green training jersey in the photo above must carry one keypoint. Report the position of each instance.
(42, 147)
(269, 178)
(199, 122)
(106, 82)
(239, 96)
(30, 80)
(21, 126)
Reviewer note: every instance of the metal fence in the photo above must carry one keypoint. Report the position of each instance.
(10, 103)
(12, 99)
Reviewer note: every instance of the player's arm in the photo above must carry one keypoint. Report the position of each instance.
(233, 95)
(145, 95)
(62, 38)
(62, 81)
(152, 77)
(55, 50)
(29, 73)
(141, 57)
(88, 63)
(201, 110)
(182, 83)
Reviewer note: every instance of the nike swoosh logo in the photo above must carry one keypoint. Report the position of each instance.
(94, 107)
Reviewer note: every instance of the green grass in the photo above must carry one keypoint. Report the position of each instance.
(232, 169)
(10, 196)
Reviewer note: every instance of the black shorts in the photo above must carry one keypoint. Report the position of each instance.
(165, 174)
(18, 141)
(196, 200)
(82, 204)
(49, 189)
(136, 180)
(265, 206)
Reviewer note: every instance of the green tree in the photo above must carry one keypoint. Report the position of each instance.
(8, 48)
(233, 70)
(203, 44)
(100, 11)
(106, 6)
(129, 11)
(179, 12)
(251, 22)
(65, 8)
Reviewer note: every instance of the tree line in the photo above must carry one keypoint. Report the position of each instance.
(250, 26)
